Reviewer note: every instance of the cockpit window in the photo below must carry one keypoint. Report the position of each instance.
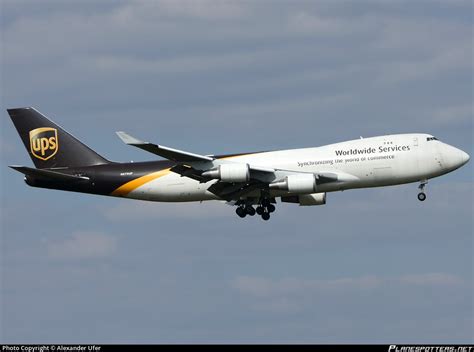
(431, 139)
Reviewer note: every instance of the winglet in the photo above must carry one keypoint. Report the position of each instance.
(127, 139)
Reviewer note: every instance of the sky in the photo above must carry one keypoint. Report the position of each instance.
(215, 77)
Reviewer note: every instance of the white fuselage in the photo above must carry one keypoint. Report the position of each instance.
(368, 162)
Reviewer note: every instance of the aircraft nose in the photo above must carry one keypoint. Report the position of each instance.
(453, 157)
(464, 157)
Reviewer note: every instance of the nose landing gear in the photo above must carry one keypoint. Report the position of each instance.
(422, 194)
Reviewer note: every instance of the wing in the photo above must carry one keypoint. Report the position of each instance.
(165, 152)
(197, 167)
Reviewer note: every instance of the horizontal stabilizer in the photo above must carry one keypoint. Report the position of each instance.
(165, 152)
(47, 174)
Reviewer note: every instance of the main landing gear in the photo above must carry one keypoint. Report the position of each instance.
(422, 194)
(263, 209)
(243, 210)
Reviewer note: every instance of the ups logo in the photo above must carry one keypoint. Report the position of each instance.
(44, 142)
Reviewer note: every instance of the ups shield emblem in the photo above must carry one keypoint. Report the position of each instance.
(44, 142)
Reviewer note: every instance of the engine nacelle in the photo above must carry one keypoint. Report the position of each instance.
(303, 183)
(306, 199)
(230, 173)
(312, 199)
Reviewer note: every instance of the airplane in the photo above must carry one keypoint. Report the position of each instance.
(250, 181)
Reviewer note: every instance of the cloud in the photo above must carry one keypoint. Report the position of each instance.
(289, 295)
(133, 210)
(448, 115)
(306, 23)
(431, 279)
(187, 9)
(258, 73)
(83, 245)
(263, 287)
(437, 64)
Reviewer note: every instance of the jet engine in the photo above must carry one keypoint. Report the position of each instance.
(230, 173)
(303, 183)
(306, 199)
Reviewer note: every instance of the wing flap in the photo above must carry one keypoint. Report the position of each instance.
(188, 171)
(234, 191)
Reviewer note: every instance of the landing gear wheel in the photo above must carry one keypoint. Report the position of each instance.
(241, 212)
(260, 210)
(271, 208)
(250, 210)
(421, 187)
(266, 216)
(421, 196)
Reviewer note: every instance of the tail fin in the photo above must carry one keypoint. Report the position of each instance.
(48, 144)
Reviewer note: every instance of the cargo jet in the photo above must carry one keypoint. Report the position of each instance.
(252, 181)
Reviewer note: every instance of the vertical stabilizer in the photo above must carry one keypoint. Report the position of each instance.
(48, 144)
